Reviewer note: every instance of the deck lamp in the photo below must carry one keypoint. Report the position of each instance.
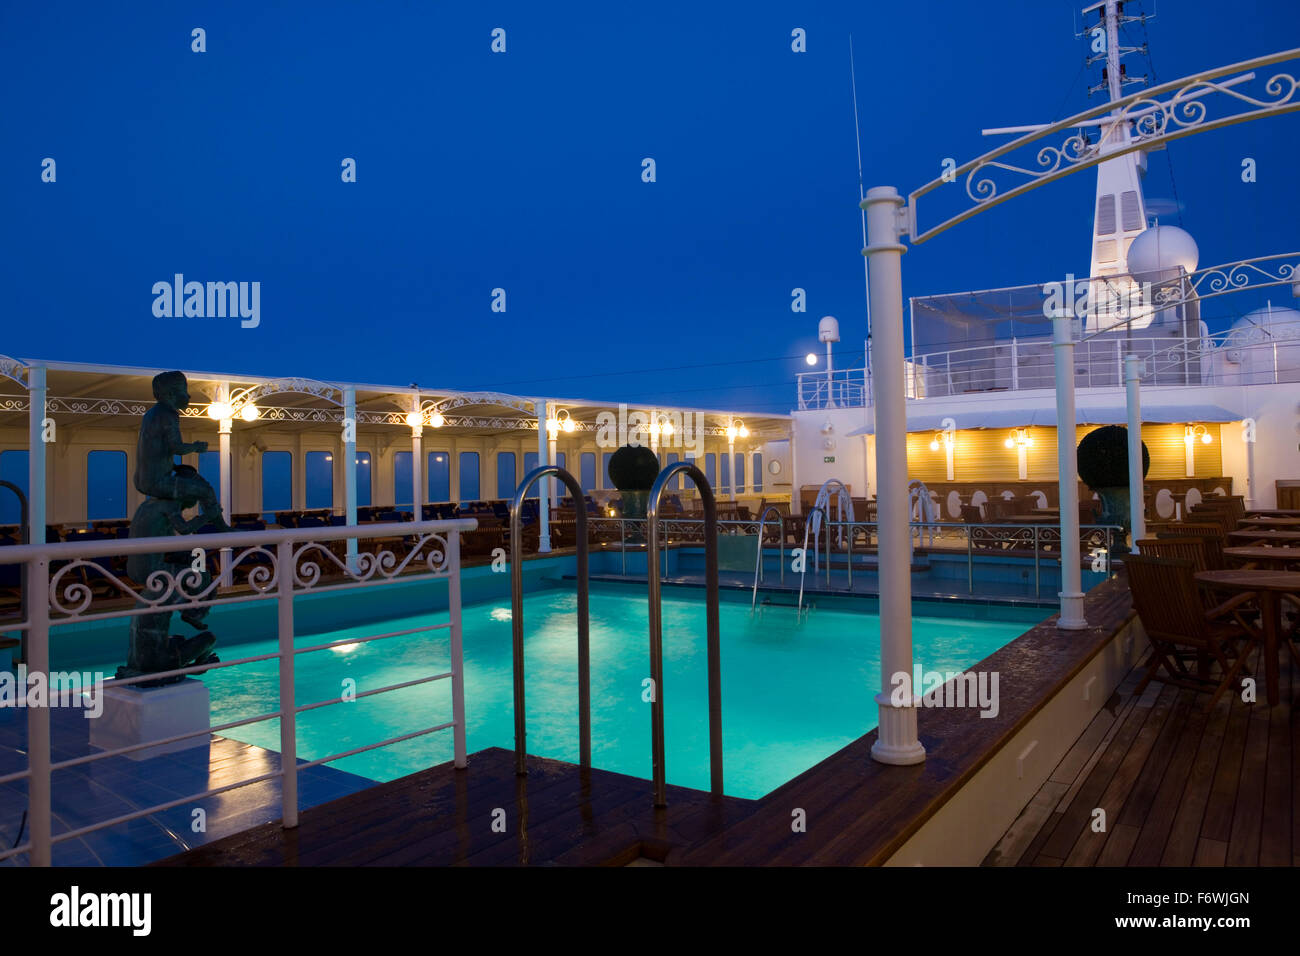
(1192, 431)
(426, 414)
(941, 439)
(560, 423)
(1021, 439)
(249, 412)
(414, 419)
(218, 411)
(737, 429)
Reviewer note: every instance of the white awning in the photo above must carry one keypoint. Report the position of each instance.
(1046, 417)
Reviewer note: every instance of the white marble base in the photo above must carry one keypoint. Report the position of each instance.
(137, 716)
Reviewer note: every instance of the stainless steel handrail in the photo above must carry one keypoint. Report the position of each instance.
(826, 522)
(758, 558)
(24, 537)
(656, 628)
(517, 617)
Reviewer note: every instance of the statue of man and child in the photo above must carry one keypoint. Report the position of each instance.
(172, 489)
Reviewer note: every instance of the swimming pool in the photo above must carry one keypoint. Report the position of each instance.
(792, 693)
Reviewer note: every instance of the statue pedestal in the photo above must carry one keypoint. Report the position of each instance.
(134, 716)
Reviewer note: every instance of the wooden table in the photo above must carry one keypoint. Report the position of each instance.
(1263, 535)
(1268, 586)
(1274, 513)
(1277, 559)
(1279, 523)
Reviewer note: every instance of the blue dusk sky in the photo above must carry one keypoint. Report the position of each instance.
(522, 171)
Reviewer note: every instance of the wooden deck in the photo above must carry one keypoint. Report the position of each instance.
(555, 815)
(1179, 787)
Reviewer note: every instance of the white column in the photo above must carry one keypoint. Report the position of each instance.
(1189, 451)
(1248, 434)
(731, 468)
(896, 738)
(1071, 593)
(36, 507)
(350, 468)
(544, 443)
(224, 479)
(1137, 513)
(417, 460)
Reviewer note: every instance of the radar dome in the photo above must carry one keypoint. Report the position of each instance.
(828, 329)
(1157, 253)
(1270, 323)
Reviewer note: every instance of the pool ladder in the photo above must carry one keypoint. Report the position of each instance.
(655, 620)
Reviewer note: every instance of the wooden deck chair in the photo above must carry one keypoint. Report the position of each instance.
(1211, 533)
(1179, 627)
(1183, 547)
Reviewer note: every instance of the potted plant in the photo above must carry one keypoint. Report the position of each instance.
(1103, 467)
(633, 469)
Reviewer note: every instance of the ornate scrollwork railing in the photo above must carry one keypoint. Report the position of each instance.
(1138, 121)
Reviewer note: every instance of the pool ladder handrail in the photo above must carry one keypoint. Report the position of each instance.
(758, 558)
(656, 628)
(517, 617)
(826, 520)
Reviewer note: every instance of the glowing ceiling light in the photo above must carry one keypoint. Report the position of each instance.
(436, 420)
(219, 411)
(414, 419)
(249, 412)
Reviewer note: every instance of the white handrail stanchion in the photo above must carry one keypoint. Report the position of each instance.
(457, 652)
(40, 813)
(288, 715)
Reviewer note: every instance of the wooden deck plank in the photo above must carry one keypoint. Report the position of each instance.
(1210, 853)
(1016, 841)
(1217, 825)
(1275, 834)
(1248, 812)
(1157, 805)
(1118, 847)
(1139, 730)
(1184, 835)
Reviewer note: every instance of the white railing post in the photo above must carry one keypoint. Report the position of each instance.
(288, 715)
(1015, 365)
(1137, 512)
(896, 734)
(457, 653)
(40, 813)
(1071, 617)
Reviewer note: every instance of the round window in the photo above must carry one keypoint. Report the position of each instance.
(774, 467)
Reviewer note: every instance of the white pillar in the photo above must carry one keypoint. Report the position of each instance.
(350, 468)
(1137, 512)
(1248, 434)
(36, 445)
(224, 479)
(896, 738)
(1071, 593)
(1189, 451)
(544, 443)
(417, 460)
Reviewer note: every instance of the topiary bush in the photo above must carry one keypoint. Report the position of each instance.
(634, 468)
(1103, 458)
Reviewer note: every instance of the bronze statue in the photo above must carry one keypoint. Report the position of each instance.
(172, 489)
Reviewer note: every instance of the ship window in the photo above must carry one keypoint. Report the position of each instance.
(403, 480)
(1129, 204)
(106, 485)
(1105, 215)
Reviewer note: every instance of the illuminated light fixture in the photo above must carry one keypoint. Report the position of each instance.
(436, 420)
(1021, 439)
(940, 440)
(250, 412)
(737, 428)
(560, 423)
(329, 457)
(414, 419)
(219, 410)
(667, 428)
(1192, 431)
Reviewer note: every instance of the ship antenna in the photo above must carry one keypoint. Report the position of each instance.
(857, 134)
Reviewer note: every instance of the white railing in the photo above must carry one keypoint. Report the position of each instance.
(280, 565)
(842, 388)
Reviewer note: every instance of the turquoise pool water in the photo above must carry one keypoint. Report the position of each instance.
(792, 693)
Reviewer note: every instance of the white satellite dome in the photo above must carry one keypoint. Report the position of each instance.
(828, 329)
(1271, 323)
(1157, 253)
